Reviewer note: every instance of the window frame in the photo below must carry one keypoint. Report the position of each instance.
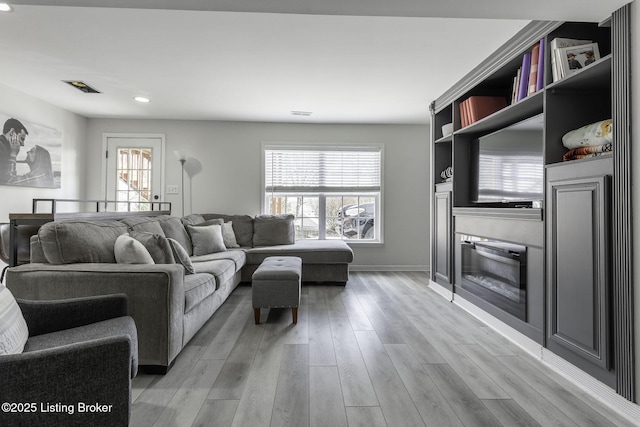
(379, 196)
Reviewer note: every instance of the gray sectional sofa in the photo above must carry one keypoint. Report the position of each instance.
(172, 298)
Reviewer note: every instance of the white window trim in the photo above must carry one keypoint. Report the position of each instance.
(331, 146)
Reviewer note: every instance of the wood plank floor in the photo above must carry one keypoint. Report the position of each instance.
(383, 351)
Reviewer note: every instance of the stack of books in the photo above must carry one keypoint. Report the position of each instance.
(475, 108)
(571, 55)
(530, 76)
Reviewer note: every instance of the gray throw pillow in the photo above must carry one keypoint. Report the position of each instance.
(130, 251)
(206, 239)
(229, 236)
(181, 256)
(192, 219)
(172, 227)
(242, 227)
(157, 245)
(271, 230)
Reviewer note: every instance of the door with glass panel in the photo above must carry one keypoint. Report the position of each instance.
(133, 172)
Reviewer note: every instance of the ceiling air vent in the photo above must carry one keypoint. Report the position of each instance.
(81, 86)
(301, 113)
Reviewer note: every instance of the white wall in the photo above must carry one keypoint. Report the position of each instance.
(73, 128)
(230, 176)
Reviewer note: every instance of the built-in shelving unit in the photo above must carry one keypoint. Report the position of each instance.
(461, 225)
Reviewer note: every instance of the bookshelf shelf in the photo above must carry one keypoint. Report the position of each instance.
(597, 77)
(527, 107)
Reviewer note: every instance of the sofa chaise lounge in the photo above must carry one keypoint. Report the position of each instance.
(189, 278)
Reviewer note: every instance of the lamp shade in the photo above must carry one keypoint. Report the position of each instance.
(181, 155)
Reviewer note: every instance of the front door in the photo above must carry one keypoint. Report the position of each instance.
(133, 171)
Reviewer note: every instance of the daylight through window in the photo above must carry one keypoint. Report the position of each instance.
(333, 192)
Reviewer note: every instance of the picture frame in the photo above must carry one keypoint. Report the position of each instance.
(38, 162)
(574, 58)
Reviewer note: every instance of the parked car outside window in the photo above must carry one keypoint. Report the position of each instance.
(357, 220)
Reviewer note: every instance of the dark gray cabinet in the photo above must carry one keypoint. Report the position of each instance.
(442, 257)
(578, 265)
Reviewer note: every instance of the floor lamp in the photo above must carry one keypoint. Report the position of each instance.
(182, 158)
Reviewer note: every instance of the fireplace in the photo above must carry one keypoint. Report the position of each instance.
(496, 272)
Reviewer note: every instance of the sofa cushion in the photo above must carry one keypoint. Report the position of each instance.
(192, 219)
(180, 256)
(197, 287)
(311, 252)
(157, 245)
(13, 328)
(206, 239)
(146, 223)
(271, 230)
(222, 269)
(128, 250)
(68, 242)
(172, 227)
(237, 256)
(242, 227)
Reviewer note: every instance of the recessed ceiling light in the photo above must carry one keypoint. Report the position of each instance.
(141, 99)
(301, 113)
(5, 7)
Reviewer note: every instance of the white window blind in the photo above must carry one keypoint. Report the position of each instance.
(322, 170)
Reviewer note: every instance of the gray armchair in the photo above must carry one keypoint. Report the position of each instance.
(76, 367)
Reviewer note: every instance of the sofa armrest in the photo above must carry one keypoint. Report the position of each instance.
(43, 317)
(90, 372)
(155, 297)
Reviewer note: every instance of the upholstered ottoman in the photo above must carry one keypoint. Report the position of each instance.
(276, 284)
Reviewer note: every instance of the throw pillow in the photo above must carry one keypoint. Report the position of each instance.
(172, 227)
(242, 226)
(130, 251)
(229, 236)
(157, 245)
(181, 256)
(271, 230)
(218, 221)
(192, 219)
(13, 328)
(206, 239)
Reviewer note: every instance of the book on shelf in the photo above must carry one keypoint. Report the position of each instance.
(476, 108)
(533, 73)
(524, 76)
(516, 85)
(575, 58)
(530, 76)
(540, 76)
(557, 44)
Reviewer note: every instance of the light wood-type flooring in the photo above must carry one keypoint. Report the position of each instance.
(385, 350)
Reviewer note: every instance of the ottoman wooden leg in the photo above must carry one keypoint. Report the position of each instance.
(256, 315)
(294, 314)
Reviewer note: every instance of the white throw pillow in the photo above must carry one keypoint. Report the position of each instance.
(130, 251)
(229, 236)
(13, 327)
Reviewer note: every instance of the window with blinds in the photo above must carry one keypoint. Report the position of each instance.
(334, 192)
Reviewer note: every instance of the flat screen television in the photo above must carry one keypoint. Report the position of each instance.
(509, 165)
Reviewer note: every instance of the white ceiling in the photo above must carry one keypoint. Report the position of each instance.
(357, 61)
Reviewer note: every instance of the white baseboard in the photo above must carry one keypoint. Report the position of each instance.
(577, 376)
(365, 267)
